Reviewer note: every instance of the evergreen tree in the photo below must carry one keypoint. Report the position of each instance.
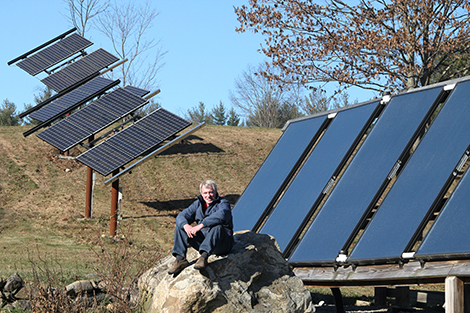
(218, 115)
(199, 114)
(8, 116)
(233, 118)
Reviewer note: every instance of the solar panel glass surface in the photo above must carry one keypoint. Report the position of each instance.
(54, 54)
(94, 87)
(313, 176)
(420, 182)
(273, 173)
(363, 177)
(79, 70)
(131, 142)
(446, 237)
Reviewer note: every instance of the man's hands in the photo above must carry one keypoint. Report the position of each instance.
(191, 231)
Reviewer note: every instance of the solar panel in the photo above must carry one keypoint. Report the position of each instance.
(422, 181)
(360, 183)
(314, 175)
(79, 70)
(138, 91)
(92, 88)
(444, 239)
(133, 141)
(91, 119)
(274, 173)
(54, 54)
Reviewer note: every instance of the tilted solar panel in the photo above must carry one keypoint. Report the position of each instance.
(321, 165)
(421, 182)
(53, 54)
(275, 171)
(93, 118)
(360, 183)
(445, 238)
(133, 141)
(79, 70)
(95, 86)
(138, 91)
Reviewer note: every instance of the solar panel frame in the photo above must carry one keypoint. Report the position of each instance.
(422, 183)
(133, 142)
(79, 70)
(73, 99)
(443, 240)
(135, 90)
(54, 54)
(276, 171)
(346, 207)
(307, 189)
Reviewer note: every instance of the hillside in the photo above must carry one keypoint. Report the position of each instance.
(42, 197)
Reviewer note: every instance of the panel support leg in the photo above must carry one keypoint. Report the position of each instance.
(114, 206)
(402, 296)
(338, 300)
(89, 193)
(380, 296)
(454, 295)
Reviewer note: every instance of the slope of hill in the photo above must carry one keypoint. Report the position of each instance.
(42, 196)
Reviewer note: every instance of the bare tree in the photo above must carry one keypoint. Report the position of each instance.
(126, 25)
(372, 44)
(82, 11)
(264, 102)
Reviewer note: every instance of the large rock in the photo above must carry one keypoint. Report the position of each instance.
(254, 277)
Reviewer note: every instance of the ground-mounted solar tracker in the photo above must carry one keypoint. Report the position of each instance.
(445, 238)
(275, 172)
(319, 170)
(73, 99)
(91, 119)
(133, 141)
(54, 54)
(421, 184)
(363, 181)
(79, 70)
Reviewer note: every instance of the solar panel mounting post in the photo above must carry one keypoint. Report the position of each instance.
(89, 187)
(114, 205)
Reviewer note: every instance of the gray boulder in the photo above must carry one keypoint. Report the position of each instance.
(254, 277)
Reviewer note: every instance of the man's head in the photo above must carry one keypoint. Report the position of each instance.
(208, 190)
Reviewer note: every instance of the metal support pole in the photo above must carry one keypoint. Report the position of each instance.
(114, 206)
(89, 187)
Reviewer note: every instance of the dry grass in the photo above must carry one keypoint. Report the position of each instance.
(42, 197)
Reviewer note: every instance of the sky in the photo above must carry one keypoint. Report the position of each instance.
(204, 52)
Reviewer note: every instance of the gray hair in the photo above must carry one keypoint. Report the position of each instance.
(208, 183)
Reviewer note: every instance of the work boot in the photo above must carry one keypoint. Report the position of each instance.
(178, 266)
(201, 263)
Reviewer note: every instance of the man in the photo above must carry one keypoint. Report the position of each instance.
(213, 233)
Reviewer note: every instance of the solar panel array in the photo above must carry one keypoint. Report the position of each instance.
(81, 94)
(91, 119)
(54, 54)
(371, 183)
(133, 141)
(79, 70)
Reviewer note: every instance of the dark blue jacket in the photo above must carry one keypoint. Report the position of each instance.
(218, 213)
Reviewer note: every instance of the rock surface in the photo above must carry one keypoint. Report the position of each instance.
(254, 277)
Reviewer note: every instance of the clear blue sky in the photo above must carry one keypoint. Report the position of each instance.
(205, 54)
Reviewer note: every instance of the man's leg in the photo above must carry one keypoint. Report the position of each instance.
(180, 247)
(217, 241)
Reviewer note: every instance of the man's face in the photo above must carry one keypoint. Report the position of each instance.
(208, 194)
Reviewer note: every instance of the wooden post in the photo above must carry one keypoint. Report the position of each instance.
(402, 296)
(380, 296)
(114, 206)
(89, 187)
(454, 294)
